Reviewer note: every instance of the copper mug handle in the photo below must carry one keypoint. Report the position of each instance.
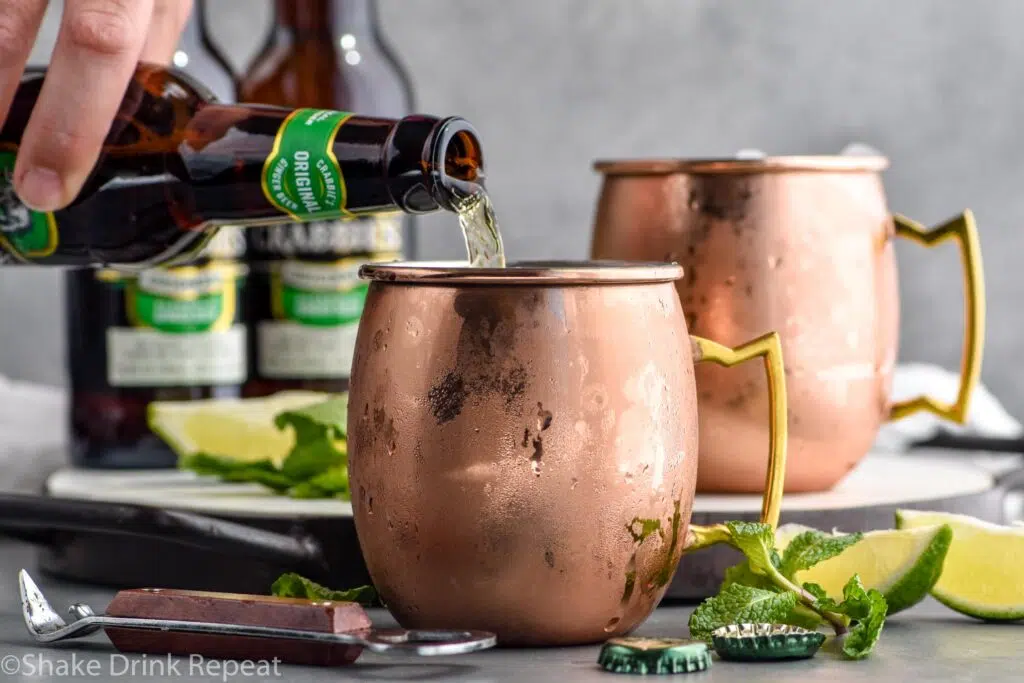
(768, 347)
(963, 229)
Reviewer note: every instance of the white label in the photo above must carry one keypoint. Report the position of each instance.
(381, 233)
(288, 349)
(180, 282)
(146, 358)
(321, 277)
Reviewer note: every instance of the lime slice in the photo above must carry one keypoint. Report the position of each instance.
(983, 576)
(903, 564)
(236, 428)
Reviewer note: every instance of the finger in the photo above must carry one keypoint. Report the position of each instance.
(19, 23)
(169, 18)
(97, 49)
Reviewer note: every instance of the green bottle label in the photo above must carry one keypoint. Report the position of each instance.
(311, 325)
(178, 326)
(302, 177)
(183, 300)
(319, 294)
(24, 233)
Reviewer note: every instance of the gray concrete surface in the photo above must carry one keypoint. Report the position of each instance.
(553, 85)
(927, 643)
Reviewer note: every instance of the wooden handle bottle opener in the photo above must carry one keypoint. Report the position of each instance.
(236, 626)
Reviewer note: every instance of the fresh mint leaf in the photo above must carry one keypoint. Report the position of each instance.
(312, 457)
(291, 585)
(272, 480)
(761, 589)
(202, 463)
(316, 466)
(742, 574)
(330, 414)
(738, 603)
(856, 604)
(824, 602)
(261, 471)
(333, 480)
(332, 483)
(868, 608)
(316, 429)
(812, 547)
(863, 637)
(804, 617)
(757, 542)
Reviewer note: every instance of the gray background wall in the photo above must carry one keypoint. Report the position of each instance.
(553, 84)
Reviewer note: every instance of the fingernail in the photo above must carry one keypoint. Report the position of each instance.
(41, 189)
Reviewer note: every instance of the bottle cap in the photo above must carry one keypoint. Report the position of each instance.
(765, 642)
(632, 655)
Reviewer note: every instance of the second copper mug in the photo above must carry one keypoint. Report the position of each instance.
(804, 246)
(522, 444)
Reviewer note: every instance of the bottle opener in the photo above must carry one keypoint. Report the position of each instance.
(235, 626)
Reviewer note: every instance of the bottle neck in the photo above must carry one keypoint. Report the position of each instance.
(327, 19)
(417, 164)
(433, 164)
(196, 31)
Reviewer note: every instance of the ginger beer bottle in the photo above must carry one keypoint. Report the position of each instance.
(176, 165)
(166, 333)
(304, 294)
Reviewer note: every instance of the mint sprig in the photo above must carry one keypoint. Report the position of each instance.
(812, 547)
(292, 585)
(866, 608)
(314, 468)
(762, 589)
(738, 604)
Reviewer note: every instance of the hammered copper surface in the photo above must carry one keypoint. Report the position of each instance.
(523, 458)
(803, 250)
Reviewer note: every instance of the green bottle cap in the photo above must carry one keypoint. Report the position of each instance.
(654, 656)
(765, 642)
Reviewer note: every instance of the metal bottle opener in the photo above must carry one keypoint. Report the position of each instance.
(335, 642)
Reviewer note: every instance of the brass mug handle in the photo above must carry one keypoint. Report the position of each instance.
(963, 229)
(768, 347)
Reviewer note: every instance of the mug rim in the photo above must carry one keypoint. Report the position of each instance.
(835, 163)
(531, 273)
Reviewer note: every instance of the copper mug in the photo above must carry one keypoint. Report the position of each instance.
(523, 444)
(804, 246)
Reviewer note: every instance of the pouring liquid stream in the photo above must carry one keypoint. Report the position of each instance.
(480, 229)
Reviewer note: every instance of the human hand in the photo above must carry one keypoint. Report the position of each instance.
(99, 44)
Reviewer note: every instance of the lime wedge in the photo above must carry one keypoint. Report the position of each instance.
(983, 576)
(903, 564)
(236, 428)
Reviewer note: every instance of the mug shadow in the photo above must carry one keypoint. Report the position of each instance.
(415, 671)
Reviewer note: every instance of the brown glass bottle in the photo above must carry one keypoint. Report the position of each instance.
(175, 333)
(199, 56)
(176, 165)
(327, 54)
(163, 334)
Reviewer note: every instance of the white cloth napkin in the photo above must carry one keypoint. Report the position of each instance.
(33, 434)
(985, 417)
